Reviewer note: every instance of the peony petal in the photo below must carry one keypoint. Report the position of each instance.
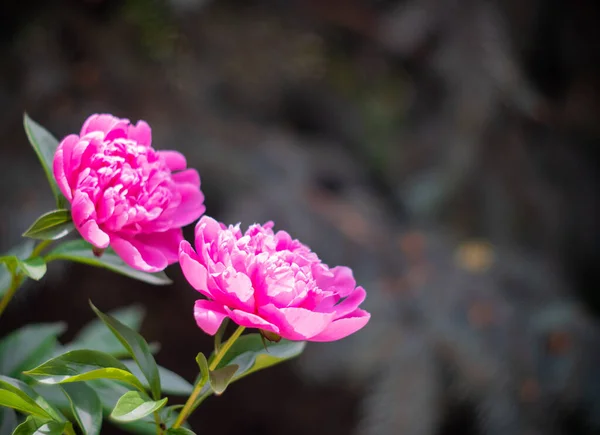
(103, 123)
(167, 242)
(139, 256)
(191, 206)
(207, 230)
(351, 303)
(93, 234)
(82, 208)
(61, 165)
(141, 133)
(195, 273)
(175, 161)
(235, 289)
(341, 281)
(341, 328)
(296, 323)
(250, 320)
(189, 176)
(209, 315)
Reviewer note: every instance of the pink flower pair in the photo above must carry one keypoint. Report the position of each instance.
(126, 195)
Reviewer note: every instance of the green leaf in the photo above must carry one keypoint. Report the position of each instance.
(249, 353)
(39, 426)
(51, 226)
(171, 382)
(203, 366)
(96, 336)
(220, 378)
(44, 145)
(137, 348)
(21, 251)
(80, 251)
(8, 421)
(133, 406)
(86, 407)
(180, 431)
(13, 397)
(28, 346)
(83, 365)
(26, 393)
(34, 268)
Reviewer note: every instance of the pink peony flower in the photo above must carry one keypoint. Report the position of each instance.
(269, 281)
(125, 194)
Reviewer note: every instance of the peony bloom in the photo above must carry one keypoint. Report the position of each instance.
(125, 194)
(269, 281)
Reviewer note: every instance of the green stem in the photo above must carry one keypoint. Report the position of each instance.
(15, 283)
(159, 429)
(17, 278)
(39, 248)
(189, 404)
(221, 353)
(69, 429)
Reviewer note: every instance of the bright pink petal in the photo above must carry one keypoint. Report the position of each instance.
(167, 242)
(194, 272)
(250, 320)
(341, 328)
(209, 315)
(139, 256)
(141, 133)
(191, 206)
(351, 303)
(82, 208)
(296, 323)
(103, 123)
(175, 161)
(58, 168)
(236, 289)
(341, 281)
(93, 234)
(189, 176)
(207, 229)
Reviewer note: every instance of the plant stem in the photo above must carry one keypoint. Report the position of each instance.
(15, 283)
(17, 278)
(221, 353)
(189, 404)
(159, 429)
(69, 429)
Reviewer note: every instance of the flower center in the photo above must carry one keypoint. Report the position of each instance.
(129, 183)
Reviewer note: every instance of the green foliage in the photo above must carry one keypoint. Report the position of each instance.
(134, 405)
(137, 347)
(51, 226)
(28, 346)
(83, 365)
(249, 353)
(81, 251)
(18, 395)
(19, 252)
(220, 378)
(39, 426)
(34, 268)
(44, 145)
(8, 421)
(85, 406)
(180, 431)
(170, 382)
(96, 336)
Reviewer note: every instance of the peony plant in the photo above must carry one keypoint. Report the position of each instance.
(121, 205)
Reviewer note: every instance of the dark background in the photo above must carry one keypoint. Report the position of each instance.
(446, 150)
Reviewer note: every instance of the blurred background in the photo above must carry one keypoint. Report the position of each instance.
(446, 150)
